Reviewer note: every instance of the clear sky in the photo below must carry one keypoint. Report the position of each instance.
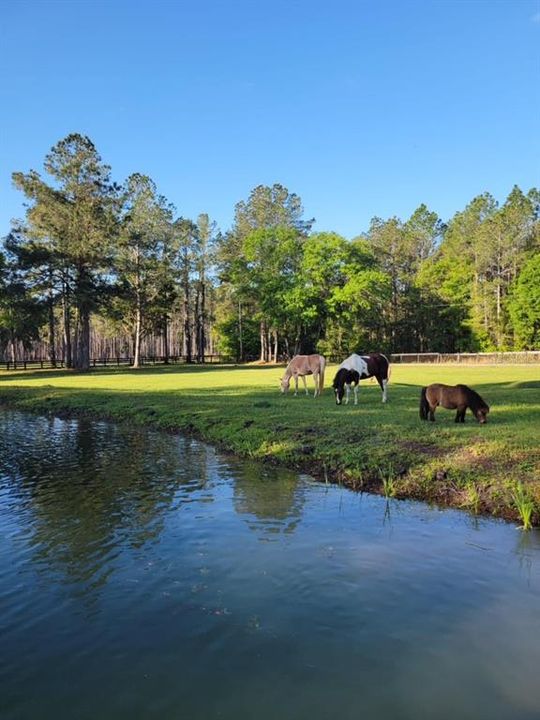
(362, 108)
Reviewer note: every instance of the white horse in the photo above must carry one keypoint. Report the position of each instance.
(302, 365)
(372, 365)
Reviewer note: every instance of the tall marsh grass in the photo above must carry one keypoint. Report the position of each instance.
(388, 481)
(524, 504)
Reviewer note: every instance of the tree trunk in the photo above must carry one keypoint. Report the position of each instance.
(202, 339)
(197, 326)
(187, 324)
(12, 346)
(52, 334)
(262, 332)
(165, 340)
(240, 339)
(83, 294)
(66, 329)
(81, 361)
(138, 327)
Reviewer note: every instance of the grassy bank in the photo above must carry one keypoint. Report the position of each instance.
(382, 448)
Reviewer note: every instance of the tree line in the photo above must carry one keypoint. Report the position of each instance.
(118, 256)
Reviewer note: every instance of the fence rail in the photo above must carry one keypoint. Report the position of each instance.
(46, 364)
(528, 356)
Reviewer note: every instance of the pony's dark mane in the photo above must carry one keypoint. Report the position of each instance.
(343, 375)
(473, 398)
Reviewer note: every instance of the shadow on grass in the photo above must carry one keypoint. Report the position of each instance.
(143, 371)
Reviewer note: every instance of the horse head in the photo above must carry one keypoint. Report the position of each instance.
(481, 414)
(284, 384)
(339, 385)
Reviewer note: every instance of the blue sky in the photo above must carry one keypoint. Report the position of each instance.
(362, 108)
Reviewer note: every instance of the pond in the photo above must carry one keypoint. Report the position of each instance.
(146, 575)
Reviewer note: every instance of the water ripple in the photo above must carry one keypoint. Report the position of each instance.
(145, 575)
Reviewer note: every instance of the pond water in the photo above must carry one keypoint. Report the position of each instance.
(144, 575)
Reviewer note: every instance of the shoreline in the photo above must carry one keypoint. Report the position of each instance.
(428, 464)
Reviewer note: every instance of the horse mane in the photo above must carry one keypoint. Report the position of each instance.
(474, 399)
(340, 373)
(347, 375)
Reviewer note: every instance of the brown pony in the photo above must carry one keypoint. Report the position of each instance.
(302, 365)
(452, 397)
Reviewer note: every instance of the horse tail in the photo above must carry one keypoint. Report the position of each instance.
(322, 365)
(424, 405)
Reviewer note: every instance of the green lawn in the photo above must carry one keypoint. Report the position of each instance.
(382, 448)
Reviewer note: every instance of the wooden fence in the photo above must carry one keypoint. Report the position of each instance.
(493, 358)
(499, 358)
(43, 364)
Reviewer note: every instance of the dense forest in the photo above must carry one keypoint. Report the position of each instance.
(98, 268)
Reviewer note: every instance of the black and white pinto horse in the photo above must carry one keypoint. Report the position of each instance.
(343, 382)
(365, 366)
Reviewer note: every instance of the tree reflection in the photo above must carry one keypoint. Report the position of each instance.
(90, 488)
(270, 499)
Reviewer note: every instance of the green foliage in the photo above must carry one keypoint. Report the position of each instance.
(88, 246)
(21, 314)
(74, 219)
(524, 306)
(270, 207)
(228, 338)
(144, 238)
(482, 253)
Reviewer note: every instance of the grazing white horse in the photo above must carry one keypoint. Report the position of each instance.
(372, 365)
(302, 365)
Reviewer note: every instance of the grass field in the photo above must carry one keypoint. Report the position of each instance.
(493, 468)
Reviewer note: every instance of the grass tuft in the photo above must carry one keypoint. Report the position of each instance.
(388, 480)
(472, 497)
(524, 505)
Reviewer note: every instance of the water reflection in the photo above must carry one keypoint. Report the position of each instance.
(88, 488)
(271, 503)
(146, 575)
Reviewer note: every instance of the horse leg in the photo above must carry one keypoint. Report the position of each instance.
(382, 384)
(317, 381)
(356, 387)
(305, 384)
(295, 385)
(347, 393)
(460, 414)
(432, 413)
